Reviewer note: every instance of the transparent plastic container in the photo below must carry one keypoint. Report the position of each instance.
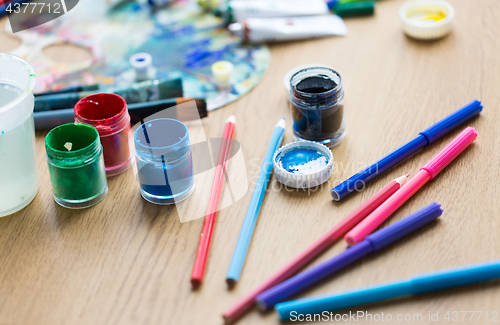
(164, 161)
(18, 168)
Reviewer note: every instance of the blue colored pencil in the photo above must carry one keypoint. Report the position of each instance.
(424, 138)
(241, 250)
(422, 283)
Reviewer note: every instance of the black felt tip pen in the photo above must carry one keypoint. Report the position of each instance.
(140, 111)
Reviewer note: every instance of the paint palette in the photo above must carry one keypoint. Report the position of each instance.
(183, 41)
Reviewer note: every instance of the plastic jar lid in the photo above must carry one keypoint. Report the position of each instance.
(427, 20)
(303, 164)
(143, 66)
(222, 72)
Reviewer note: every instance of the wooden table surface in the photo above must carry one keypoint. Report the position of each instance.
(126, 261)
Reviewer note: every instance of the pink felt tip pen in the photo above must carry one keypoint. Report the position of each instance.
(426, 173)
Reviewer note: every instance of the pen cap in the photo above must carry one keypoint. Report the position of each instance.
(450, 152)
(453, 120)
(403, 227)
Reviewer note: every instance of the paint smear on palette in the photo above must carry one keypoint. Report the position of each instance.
(182, 39)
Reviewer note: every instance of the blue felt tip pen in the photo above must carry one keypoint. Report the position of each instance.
(241, 250)
(425, 138)
(422, 283)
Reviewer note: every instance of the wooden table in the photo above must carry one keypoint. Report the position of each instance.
(125, 261)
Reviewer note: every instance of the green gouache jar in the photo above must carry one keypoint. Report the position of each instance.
(76, 165)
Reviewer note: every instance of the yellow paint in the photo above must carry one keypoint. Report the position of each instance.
(434, 16)
(426, 14)
(222, 66)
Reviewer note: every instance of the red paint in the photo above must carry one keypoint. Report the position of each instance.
(109, 115)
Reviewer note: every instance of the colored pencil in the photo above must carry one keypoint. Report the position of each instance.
(47, 120)
(372, 243)
(213, 205)
(423, 283)
(241, 250)
(425, 138)
(316, 248)
(426, 173)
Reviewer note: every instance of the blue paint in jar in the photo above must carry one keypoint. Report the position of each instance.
(317, 105)
(164, 161)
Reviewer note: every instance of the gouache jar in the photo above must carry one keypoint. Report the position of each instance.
(109, 115)
(76, 165)
(164, 161)
(18, 168)
(317, 106)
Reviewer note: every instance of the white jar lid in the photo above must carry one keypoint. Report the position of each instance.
(303, 164)
(427, 19)
(222, 72)
(143, 66)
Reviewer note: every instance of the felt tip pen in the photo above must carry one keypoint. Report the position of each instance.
(425, 138)
(138, 112)
(144, 91)
(372, 243)
(352, 8)
(93, 87)
(419, 284)
(426, 173)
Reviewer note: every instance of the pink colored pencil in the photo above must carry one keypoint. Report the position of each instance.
(213, 206)
(426, 173)
(242, 306)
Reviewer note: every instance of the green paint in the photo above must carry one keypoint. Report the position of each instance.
(78, 176)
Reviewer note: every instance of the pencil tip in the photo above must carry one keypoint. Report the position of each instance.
(230, 283)
(402, 180)
(196, 283)
(227, 320)
(281, 123)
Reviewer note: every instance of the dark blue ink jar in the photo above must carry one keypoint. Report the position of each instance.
(317, 105)
(164, 161)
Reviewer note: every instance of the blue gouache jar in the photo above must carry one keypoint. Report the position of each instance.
(164, 161)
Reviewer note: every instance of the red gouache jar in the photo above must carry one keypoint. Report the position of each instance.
(109, 115)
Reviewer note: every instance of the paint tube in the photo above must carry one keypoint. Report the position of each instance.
(243, 9)
(256, 30)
